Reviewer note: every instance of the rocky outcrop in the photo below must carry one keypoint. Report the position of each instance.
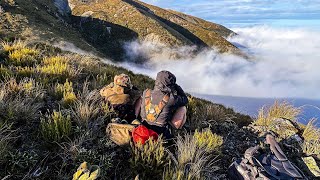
(63, 7)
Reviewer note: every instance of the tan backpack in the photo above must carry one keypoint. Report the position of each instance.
(120, 133)
(115, 94)
(153, 111)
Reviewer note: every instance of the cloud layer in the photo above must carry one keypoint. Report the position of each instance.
(286, 65)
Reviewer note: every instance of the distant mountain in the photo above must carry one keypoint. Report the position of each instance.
(103, 26)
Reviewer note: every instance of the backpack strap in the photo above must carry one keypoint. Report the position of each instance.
(147, 97)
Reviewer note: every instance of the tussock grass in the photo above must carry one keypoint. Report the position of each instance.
(149, 159)
(11, 46)
(55, 126)
(87, 108)
(18, 101)
(5, 72)
(190, 161)
(27, 87)
(269, 119)
(311, 135)
(6, 135)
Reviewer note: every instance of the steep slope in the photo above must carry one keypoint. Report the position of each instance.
(104, 26)
(210, 34)
(155, 24)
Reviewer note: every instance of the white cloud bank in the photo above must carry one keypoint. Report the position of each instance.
(287, 65)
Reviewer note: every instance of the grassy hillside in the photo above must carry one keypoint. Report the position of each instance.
(52, 117)
(157, 25)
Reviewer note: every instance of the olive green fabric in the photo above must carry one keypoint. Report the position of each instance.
(120, 133)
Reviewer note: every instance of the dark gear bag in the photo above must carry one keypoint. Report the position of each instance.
(258, 166)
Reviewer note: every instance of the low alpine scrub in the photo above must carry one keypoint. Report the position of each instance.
(23, 57)
(58, 68)
(65, 92)
(207, 140)
(56, 126)
(149, 160)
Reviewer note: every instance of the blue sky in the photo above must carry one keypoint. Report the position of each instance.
(235, 13)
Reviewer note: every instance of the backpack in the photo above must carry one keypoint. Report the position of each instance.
(141, 134)
(114, 95)
(120, 133)
(264, 166)
(153, 110)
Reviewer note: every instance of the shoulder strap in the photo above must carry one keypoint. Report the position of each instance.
(147, 97)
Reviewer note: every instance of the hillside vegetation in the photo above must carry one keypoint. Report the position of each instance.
(102, 27)
(52, 118)
(154, 24)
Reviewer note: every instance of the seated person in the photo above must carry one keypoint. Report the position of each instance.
(123, 97)
(164, 105)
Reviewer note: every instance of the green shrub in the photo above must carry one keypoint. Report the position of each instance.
(58, 68)
(23, 57)
(207, 140)
(55, 126)
(149, 160)
(65, 92)
(5, 72)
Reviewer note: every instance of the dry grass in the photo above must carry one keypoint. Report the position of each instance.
(87, 109)
(6, 135)
(270, 119)
(18, 101)
(311, 135)
(27, 87)
(11, 46)
(189, 161)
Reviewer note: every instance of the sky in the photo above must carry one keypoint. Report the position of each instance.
(240, 13)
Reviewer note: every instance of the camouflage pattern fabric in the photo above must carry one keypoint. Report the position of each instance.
(122, 80)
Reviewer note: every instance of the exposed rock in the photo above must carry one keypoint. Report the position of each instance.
(63, 7)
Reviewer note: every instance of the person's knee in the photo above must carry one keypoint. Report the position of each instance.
(179, 118)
